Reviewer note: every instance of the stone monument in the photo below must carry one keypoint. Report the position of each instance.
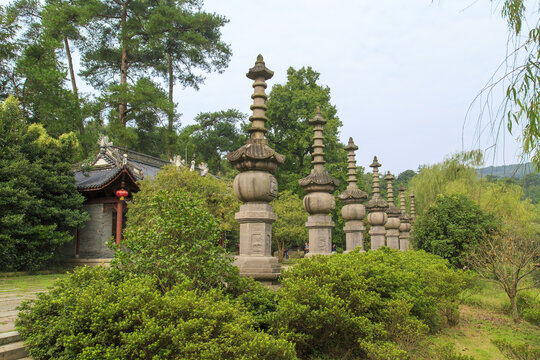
(405, 219)
(377, 210)
(255, 186)
(353, 212)
(413, 211)
(393, 223)
(319, 201)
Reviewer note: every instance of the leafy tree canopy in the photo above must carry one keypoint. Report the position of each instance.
(213, 135)
(290, 106)
(289, 230)
(39, 204)
(451, 227)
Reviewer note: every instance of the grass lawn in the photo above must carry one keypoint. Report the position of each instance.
(484, 316)
(27, 283)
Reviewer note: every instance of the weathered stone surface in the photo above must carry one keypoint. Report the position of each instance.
(94, 235)
(353, 212)
(377, 216)
(405, 222)
(320, 234)
(256, 187)
(319, 202)
(393, 222)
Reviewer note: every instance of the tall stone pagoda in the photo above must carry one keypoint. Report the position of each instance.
(319, 201)
(392, 225)
(255, 186)
(353, 212)
(405, 219)
(377, 210)
(413, 210)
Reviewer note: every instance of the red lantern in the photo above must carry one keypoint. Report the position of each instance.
(122, 193)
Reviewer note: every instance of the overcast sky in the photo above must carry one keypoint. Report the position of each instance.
(402, 73)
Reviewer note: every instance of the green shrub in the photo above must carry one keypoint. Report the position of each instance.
(529, 307)
(365, 305)
(517, 351)
(450, 227)
(177, 241)
(39, 203)
(99, 314)
(448, 352)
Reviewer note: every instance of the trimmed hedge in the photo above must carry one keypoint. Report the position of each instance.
(373, 305)
(97, 314)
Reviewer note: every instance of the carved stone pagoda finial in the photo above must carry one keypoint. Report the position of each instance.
(256, 154)
(255, 186)
(319, 201)
(405, 222)
(392, 225)
(353, 212)
(377, 210)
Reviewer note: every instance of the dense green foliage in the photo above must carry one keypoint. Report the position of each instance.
(451, 227)
(289, 230)
(531, 187)
(365, 305)
(178, 241)
(211, 137)
(95, 314)
(121, 45)
(517, 351)
(290, 106)
(216, 195)
(39, 204)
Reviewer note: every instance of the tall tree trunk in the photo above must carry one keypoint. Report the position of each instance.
(122, 106)
(171, 116)
(515, 314)
(74, 86)
(71, 71)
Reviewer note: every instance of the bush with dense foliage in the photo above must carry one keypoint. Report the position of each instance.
(372, 305)
(99, 314)
(39, 204)
(216, 195)
(450, 227)
(178, 241)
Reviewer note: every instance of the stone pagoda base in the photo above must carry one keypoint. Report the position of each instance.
(320, 234)
(392, 238)
(354, 235)
(255, 259)
(377, 234)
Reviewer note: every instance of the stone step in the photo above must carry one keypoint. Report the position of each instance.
(6, 327)
(9, 337)
(13, 351)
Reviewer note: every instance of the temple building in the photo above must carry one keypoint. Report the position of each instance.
(108, 185)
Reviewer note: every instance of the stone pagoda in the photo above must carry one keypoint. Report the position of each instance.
(405, 219)
(393, 223)
(353, 212)
(319, 201)
(413, 211)
(255, 186)
(377, 210)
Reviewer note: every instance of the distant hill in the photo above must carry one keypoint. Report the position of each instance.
(516, 171)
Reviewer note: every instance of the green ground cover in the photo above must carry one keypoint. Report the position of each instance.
(28, 283)
(484, 318)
